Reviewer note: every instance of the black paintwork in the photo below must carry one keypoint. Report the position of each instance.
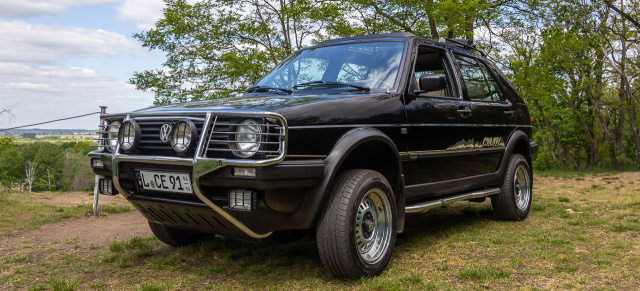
(440, 145)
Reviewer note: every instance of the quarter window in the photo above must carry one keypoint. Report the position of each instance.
(481, 86)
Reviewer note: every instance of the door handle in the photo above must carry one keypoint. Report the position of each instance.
(464, 111)
(509, 112)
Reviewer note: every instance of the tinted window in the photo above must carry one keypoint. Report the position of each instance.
(481, 86)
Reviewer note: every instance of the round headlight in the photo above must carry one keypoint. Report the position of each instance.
(247, 138)
(129, 136)
(112, 135)
(184, 136)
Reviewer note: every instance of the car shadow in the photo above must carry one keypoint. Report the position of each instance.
(300, 259)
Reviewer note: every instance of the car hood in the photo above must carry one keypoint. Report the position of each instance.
(252, 102)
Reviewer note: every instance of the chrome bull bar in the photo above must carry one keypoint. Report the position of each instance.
(200, 164)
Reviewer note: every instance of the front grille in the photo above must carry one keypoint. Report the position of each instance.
(150, 143)
(224, 129)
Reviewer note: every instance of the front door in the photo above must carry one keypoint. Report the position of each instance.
(437, 126)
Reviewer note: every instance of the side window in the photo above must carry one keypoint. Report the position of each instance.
(429, 61)
(481, 86)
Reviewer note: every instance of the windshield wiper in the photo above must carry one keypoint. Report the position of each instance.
(363, 88)
(256, 88)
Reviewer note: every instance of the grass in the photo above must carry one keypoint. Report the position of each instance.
(18, 212)
(577, 236)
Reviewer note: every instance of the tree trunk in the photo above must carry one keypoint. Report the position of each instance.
(562, 152)
(433, 27)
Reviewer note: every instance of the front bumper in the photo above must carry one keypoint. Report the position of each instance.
(283, 187)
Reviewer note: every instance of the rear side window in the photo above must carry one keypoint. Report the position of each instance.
(480, 83)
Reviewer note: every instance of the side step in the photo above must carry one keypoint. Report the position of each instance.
(426, 206)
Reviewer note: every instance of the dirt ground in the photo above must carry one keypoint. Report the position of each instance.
(82, 232)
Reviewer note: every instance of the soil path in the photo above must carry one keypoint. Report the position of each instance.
(79, 232)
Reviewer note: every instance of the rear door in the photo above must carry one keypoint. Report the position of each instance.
(493, 114)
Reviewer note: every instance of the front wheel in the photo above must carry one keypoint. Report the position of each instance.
(514, 201)
(357, 231)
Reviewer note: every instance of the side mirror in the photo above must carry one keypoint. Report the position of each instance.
(432, 82)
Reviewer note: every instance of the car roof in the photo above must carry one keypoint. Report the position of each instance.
(460, 44)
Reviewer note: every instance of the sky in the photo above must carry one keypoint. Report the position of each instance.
(62, 58)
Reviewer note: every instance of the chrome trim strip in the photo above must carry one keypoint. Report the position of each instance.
(203, 135)
(446, 153)
(155, 160)
(426, 206)
(162, 117)
(210, 136)
(407, 124)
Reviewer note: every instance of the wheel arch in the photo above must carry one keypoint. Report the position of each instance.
(354, 151)
(518, 144)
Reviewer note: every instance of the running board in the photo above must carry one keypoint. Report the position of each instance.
(426, 206)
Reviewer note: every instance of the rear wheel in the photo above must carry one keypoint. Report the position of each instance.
(514, 201)
(357, 231)
(173, 236)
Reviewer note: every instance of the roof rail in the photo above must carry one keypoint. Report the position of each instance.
(465, 44)
(371, 36)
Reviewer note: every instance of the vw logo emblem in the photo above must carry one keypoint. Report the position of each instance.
(165, 133)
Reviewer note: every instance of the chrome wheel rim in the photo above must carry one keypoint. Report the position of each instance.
(373, 226)
(522, 187)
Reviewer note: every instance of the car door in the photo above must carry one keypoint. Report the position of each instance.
(493, 114)
(437, 126)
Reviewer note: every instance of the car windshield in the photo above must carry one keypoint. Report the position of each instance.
(358, 66)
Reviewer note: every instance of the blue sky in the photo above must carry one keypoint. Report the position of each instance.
(62, 58)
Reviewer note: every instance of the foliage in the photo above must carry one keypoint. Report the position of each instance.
(218, 48)
(60, 166)
(576, 63)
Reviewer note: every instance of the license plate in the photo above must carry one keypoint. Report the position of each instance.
(164, 181)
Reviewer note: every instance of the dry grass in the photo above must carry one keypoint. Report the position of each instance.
(582, 233)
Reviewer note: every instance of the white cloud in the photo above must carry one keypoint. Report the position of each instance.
(34, 43)
(144, 12)
(46, 93)
(32, 8)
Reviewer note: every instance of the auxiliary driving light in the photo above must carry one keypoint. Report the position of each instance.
(241, 199)
(244, 172)
(105, 187)
(184, 136)
(96, 163)
(112, 135)
(129, 136)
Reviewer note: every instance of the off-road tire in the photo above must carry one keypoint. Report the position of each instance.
(173, 236)
(360, 199)
(514, 201)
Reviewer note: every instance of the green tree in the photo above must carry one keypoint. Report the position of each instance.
(218, 48)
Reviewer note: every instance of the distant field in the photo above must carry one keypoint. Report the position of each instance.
(583, 233)
(56, 137)
(68, 136)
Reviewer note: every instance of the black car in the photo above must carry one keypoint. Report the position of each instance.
(344, 137)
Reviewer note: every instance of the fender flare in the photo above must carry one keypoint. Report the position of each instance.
(341, 150)
(515, 137)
